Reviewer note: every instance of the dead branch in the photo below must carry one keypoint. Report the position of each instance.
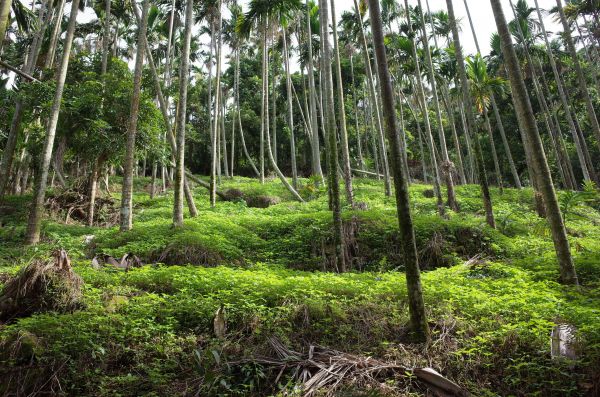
(19, 72)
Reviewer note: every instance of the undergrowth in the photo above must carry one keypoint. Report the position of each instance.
(149, 331)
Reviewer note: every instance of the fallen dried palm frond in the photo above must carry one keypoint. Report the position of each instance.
(42, 286)
(324, 369)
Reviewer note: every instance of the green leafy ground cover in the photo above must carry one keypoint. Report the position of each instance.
(149, 331)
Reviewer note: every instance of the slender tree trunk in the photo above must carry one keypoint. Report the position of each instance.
(224, 137)
(163, 105)
(4, 19)
(232, 147)
(288, 83)
(153, 184)
(92, 189)
(527, 121)
(447, 166)
(263, 111)
(37, 208)
(369, 120)
(452, 121)
(588, 57)
(403, 144)
(105, 47)
(558, 135)
(15, 125)
(586, 151)
(361, 162)
(239, 114)
(419, 325)
(274, 93)
(218, 145)
(563, 97)
(316, 152)
(265, 98)
(342, 112)
(469, 109)
(215, 131)
(449, 110)
(329, 124)
(179, 190)
(126, 221)
(423, 105)
(552, 128)
(51, 55)
(374, 104)
(488, 127)
(540, 206)
(470, 152)
(419, 138)
(583, 87)
(499, 123)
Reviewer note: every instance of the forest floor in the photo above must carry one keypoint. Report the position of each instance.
(262, 278)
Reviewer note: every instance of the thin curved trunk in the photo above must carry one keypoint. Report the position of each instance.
(469, 109)
(526, 119)
(424, 112)
(232, 147)
(316, 152)
(239, 114)
(223, 136)
(403, 145)
(419, 137)
(263, 111)
(418, 317)
(469, 141)
(181, 117)
(126, 219)
(163, 105)
(11, 142)
(374, 105)
(446, 166)
(583, 87)
(274, 103)
(51, 55)
(449, 110)
(370, 123)
(265, 99)
(215, 123)
(288, 84)
(329, 124)
(509, 157)
(552, 128)
(546, 114)
(567, 166)
(37, 207)
(361, 162)
(342, 112)
(452, 121)
(563, 97)
(588, 57)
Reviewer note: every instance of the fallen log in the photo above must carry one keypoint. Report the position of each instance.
(369, 173)
(204, 184)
